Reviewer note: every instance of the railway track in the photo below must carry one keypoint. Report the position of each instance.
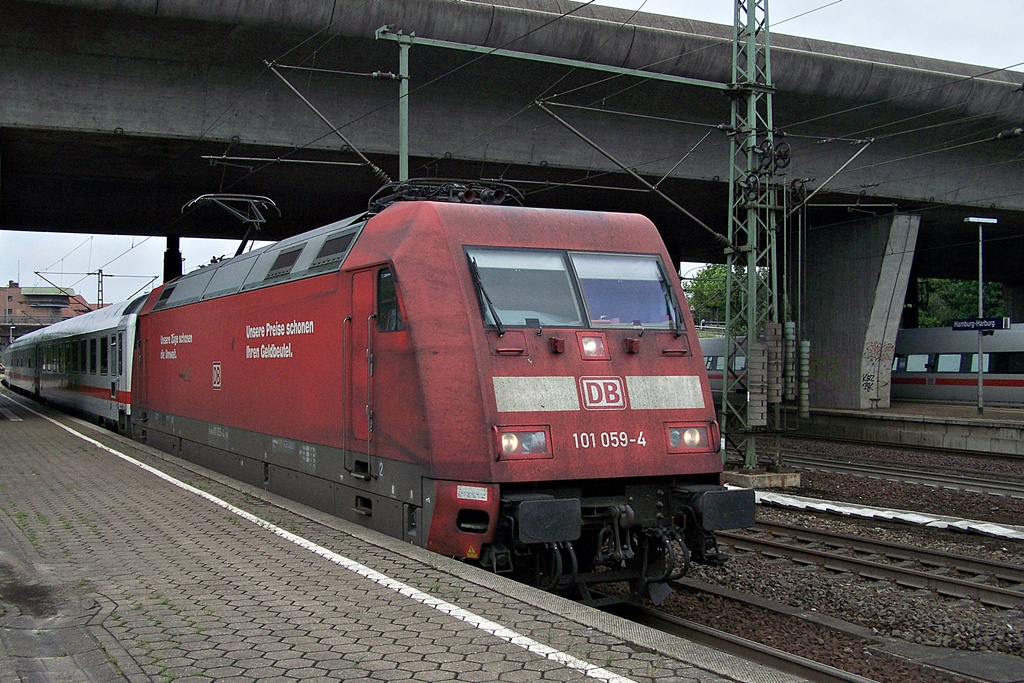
(741, 647)
(963, 480)
(991, 583)
(791, 440)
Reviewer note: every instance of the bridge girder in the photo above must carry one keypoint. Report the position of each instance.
(113, 119)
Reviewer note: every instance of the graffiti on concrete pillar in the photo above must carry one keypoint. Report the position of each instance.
(876, 370)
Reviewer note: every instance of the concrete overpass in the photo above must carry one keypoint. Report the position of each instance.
(113, 108)
(116, 113)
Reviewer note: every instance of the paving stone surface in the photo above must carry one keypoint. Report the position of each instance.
(109, 573)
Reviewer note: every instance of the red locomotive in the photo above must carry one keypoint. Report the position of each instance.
(519, 387)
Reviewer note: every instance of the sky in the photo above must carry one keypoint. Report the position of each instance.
(983, 32)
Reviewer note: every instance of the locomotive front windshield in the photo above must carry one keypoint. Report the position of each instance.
(531, 288)
(520, 287)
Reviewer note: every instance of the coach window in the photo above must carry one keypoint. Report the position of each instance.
(389, 317)
(104, 355)
(974, 362)
(92, 356)
(1006, 363)
(83, 356)
(917, 362)
(120, 353)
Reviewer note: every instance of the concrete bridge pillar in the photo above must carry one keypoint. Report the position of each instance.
(857, 275)
(172, 258)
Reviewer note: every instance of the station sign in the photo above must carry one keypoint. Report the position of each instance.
(983, 324)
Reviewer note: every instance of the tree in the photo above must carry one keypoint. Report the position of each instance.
(940, 302)
(706, 293)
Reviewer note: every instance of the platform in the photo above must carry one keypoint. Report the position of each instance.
(118, 563)
(921, 425)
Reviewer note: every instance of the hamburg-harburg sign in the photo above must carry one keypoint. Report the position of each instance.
(982, 324)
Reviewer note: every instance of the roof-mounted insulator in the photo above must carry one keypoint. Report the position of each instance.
(430, 189)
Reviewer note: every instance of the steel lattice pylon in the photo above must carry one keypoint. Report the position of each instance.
(752, 332)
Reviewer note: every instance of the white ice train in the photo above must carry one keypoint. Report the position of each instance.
(941, 365)
(934, 365)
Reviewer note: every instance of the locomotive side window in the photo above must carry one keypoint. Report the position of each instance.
(333, 251)
(389, 318)
(524, 288)
(624, 290)
(284, 262)
(164, 296)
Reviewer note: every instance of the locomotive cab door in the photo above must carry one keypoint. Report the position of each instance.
(375, 311)
(360, 361)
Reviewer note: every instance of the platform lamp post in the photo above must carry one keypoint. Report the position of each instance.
(981, 304)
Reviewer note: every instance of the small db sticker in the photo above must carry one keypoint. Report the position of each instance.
(216, 375)
(471, 493)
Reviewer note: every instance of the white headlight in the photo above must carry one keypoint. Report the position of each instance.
(682, 438)
(524, 443)
(509, 443)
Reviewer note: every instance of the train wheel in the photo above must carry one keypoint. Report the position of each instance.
(547, 567)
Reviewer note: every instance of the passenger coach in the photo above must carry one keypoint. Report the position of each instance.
(81, 365)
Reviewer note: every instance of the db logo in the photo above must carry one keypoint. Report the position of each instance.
(216, 375)
(603, 393)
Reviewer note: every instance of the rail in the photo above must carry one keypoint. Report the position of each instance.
(749, 650)
(887, 561)
(959, 480)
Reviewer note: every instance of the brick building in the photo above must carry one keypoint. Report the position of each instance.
(25, 309)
